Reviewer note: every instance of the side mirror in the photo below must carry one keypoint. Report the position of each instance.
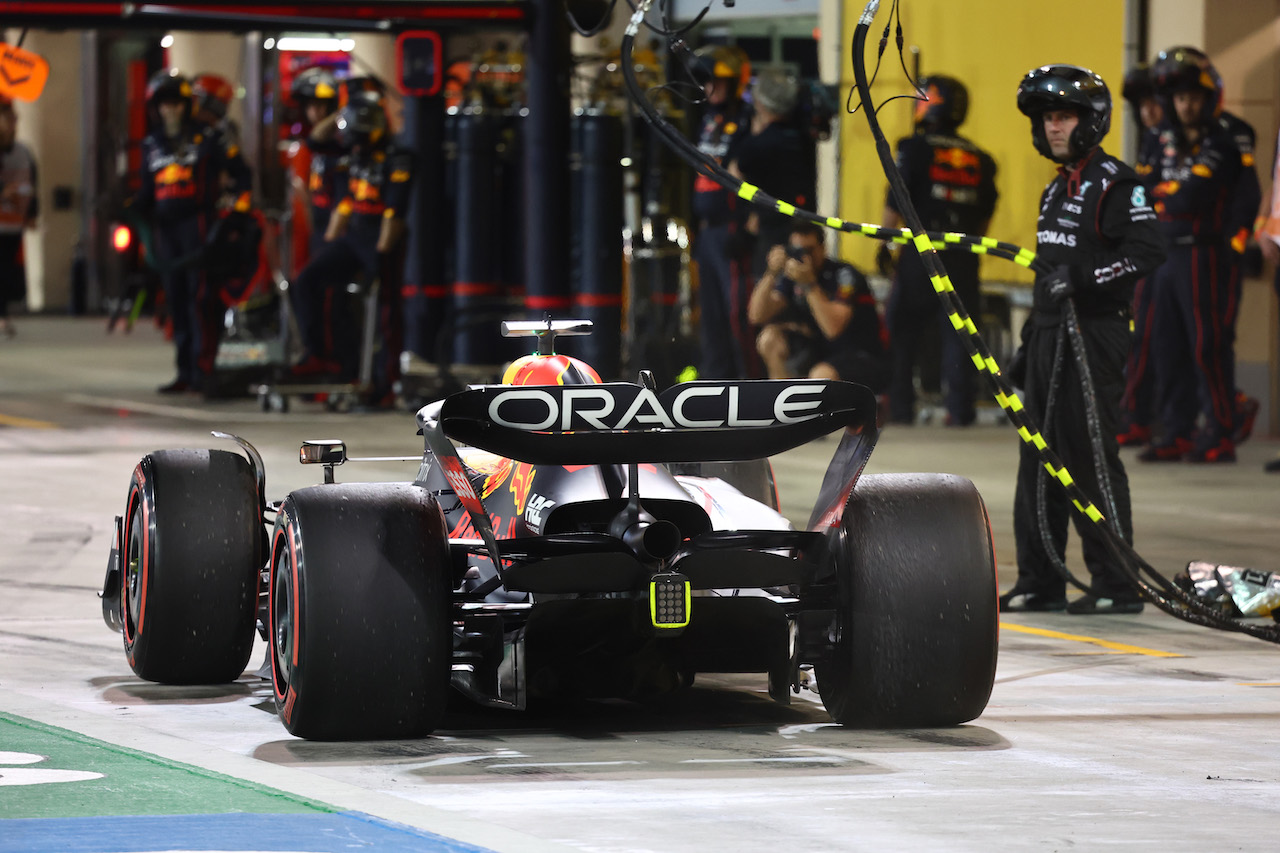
(323, 451)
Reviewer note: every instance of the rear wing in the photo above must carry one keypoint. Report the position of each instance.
(620, 422)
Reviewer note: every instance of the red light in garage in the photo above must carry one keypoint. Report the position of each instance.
(121, 238)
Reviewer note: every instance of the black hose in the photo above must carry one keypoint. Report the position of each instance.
(1041, 493)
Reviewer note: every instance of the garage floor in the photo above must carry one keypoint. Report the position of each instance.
(1135, 732)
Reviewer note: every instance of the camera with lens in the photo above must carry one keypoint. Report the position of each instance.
(797, 253)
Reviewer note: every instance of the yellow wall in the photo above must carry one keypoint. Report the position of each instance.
(989, 46)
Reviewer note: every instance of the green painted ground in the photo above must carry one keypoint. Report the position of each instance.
(132, 783)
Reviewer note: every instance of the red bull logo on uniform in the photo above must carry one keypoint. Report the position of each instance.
(172, 174)
(362, 190)
(956, 166)
(956, 158)
(175, 181)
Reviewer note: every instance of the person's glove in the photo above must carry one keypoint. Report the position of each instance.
(1060, 285)
(886, 261)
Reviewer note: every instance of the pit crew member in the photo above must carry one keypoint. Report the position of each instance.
(952, 185)
(1100, 236)
(1206, 193)
(184, 166)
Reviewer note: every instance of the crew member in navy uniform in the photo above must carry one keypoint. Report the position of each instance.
(1137, 405)
(212, 95)
(1241, 223)
(717, 245)
(1206, 194)
(818, 315)
(184, 172)
(1100, 236)
(315, 90)
(952, 185)
(363, 238)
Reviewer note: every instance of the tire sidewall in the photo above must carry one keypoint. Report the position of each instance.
(197, 607)
(141, 503)
(399, 690)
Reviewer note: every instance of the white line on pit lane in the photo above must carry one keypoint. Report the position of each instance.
(567, 764)
(793, 760)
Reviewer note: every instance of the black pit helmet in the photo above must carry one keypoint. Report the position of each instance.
(168, 85)
(362, 121)
(722, 61)
(353, 86)
(1181, 69)
(1066, 87)
(314, 84)
(946, 113)
(1138, 85)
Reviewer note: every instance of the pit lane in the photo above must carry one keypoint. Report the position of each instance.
(1102, 732)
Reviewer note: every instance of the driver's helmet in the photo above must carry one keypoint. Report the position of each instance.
(550, 370)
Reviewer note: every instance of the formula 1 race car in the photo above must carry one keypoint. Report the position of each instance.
(581, 538)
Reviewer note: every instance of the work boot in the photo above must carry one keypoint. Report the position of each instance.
(314, 368)
(177, 386)
(1222, 451)
(1135, 436)
(1090, 604)
(1015, 601)
(1246, 413)
(1166, 451)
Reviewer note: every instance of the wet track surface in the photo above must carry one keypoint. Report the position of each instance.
(1102, 732)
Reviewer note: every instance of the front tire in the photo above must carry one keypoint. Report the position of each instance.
(192, 543)
(360, 612)
(917, 618)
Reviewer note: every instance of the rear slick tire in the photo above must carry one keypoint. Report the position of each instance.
(360, 612)
(917, 617)
(192, 554)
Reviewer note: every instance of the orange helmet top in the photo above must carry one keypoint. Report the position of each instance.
(550, 370)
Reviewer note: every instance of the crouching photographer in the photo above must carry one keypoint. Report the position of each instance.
(818, 316)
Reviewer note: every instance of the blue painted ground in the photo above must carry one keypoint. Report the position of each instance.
(323, 833)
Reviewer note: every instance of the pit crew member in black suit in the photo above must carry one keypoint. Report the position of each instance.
(952, 185)
(1100, 236)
